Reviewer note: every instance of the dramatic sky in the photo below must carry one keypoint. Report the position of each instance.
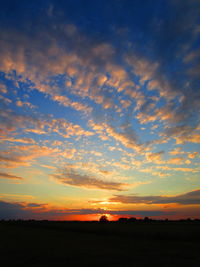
(100, 106)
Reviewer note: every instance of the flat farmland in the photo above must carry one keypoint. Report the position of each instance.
(47, 243)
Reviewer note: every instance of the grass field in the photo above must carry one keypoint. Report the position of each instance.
(42, 243)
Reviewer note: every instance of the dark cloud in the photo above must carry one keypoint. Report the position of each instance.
(13, 211)
(119, 212)
(35, 205)
(9, 176)
(74, 178)
(190, 198)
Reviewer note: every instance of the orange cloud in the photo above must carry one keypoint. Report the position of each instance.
(25, 155)
(155, 157)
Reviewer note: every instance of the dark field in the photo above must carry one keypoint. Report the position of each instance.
(40, 243)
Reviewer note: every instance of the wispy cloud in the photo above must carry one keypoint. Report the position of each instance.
(25, 155)
(72, 177)
(4, 175)
(192, 197)
(12, 122)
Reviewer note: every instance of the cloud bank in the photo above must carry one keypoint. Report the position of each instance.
(190, 198)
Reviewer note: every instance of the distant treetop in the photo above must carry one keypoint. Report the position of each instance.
(103, 218)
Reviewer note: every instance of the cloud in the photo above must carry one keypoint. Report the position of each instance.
(125, 134)
(9, 176)
(67, 129)
(20, 103)
(155, 157)
(65, 101)
(193, 155)
(152, 171)
(92, 71)
(100, 129)
(190, 198)
(3, 88)
(24, 140)
(75, 55)
(148, 70)
(72, 177)
(178, 160)
(12, 122)
(5, 100)
(183, 133)
(121, 165)
(34, 205)
(25, 155)
(13, 211)
(181, 169)
(177, 84)
(176, 151)
(193, 137)
(23, 210)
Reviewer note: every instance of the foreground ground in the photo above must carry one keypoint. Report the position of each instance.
(100, 244)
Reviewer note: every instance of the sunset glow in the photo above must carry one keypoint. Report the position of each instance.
(100, 106)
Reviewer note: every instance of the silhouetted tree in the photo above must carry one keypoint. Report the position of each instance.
(103, 218)
(122, 219)
(147, 219)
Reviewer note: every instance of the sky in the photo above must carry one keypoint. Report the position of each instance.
(100, 106)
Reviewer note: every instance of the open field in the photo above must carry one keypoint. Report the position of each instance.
(43, 243)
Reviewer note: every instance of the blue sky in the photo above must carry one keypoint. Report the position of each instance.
(99, 108)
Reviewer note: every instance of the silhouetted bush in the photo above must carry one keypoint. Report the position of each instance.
(123, 220)
(147, 219)
(132, 219)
